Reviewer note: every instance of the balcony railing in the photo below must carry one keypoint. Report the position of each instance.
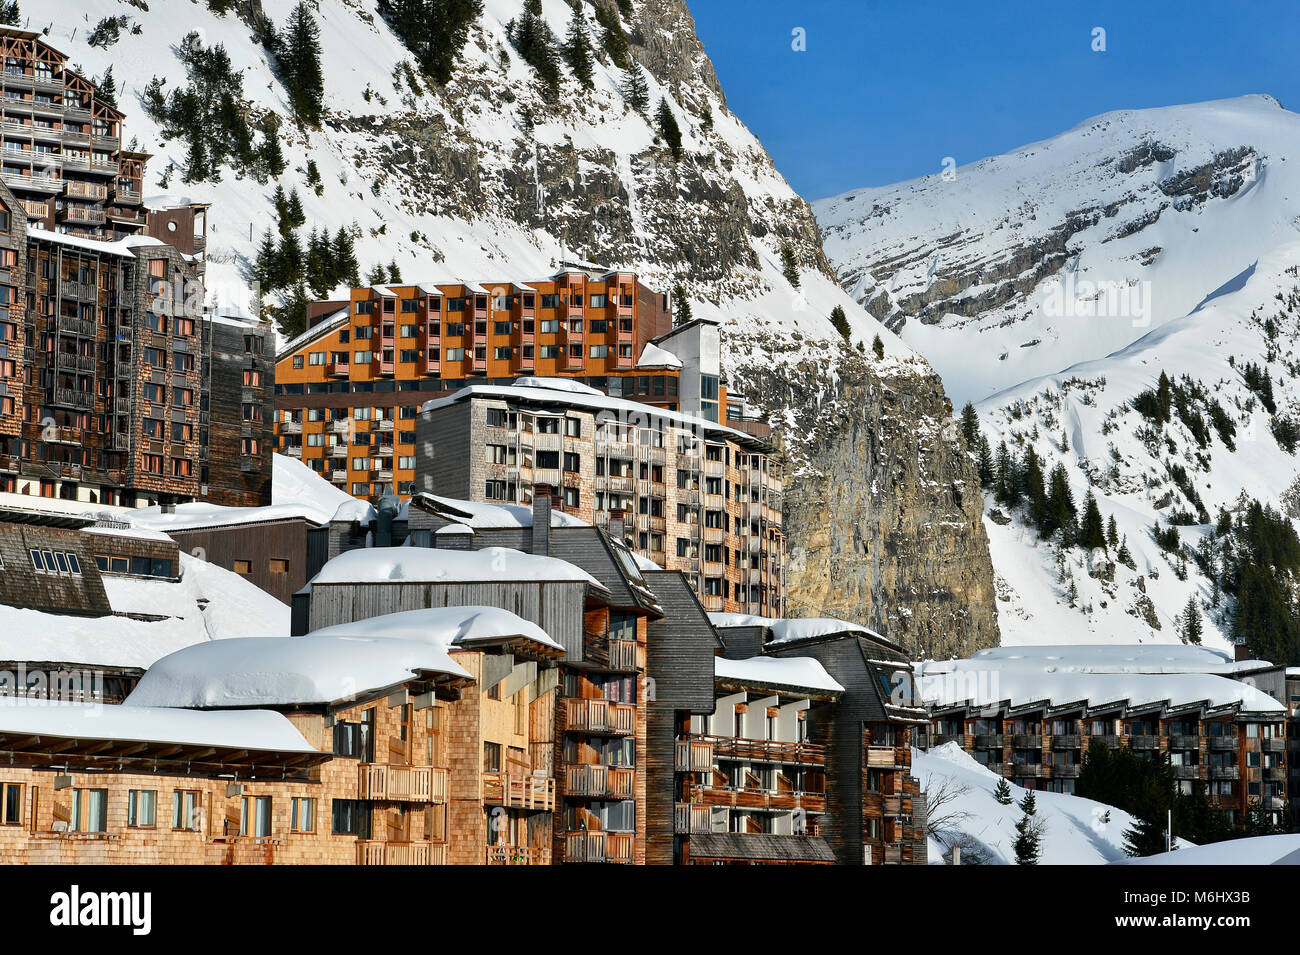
(623, 655)
(1224, 743)
(1224, 772)
(689, 817)
(1184, 742)
(401, 853)
(775, 751)
(694, 756)
(615, 847)
(427, 784)
(1143, 742)
(614, 782)
(519, 790)
(602, 717)
(1066, 741)
(885, 757)
(513, 855)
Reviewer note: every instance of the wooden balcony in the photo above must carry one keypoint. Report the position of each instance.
(893, 855)
(1225, 772)
(1109, 740)
(757, 799)
(513, 855)
(694, 756)
(611, 847)
(988, 741)
(600, 717)
(1066, 741)
(1144, 742)
(623, 655)
(1224, 743)
(689, 817)
(370, 852)
(1273, 745)
(612, 782)
(1027, 741)
(337, 368)
(886, 757)
(519, 791)
(1184, 742)
(425, 784)
(727, 747)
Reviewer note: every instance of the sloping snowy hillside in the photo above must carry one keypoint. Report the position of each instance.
(1075, 831)
(1068, 249)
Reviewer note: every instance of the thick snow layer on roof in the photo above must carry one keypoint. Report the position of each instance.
(986, 681)
(354, 509)
(200, 514)
(57, 505)
(558, 384)
(652, 356)
(245, 729)
(296, 485)
(452, 530)
(445, 627)
(643, 562)
(232, 607)
(1077, 831)
(422, 564)
(780, 671)
(788, 629)
(121, 247)
(482, 516)
(257, 671)
(1121, 658)
(1254, 850)
(597, 401)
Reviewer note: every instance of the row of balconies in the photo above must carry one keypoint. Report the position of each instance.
(1078, 741)
(520, 791)
(600, 717)
(707, 795)
(370, 852)
(601, 782)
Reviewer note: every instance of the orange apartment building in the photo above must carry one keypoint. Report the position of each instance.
(348, 389)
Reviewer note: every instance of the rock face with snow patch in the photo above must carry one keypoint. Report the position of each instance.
(882, 504)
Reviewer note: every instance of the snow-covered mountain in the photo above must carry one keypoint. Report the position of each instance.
(1072, 248)
(489, 176)
(1056, 283)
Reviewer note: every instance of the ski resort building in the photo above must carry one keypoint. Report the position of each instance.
(348, 389)
(1030, 714)
(691, 495)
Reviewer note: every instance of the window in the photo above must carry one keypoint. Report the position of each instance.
(141, 807)
(351, 817)
(302, 815)
(491, 757)
(90, 810)
(279, 565)
(186, 810)
(244, 567)
(11, 804)
(255, 816)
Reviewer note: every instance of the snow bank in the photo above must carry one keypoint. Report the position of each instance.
(428, 565)
(1255, 850)
(789, 629)
(1076, 831)
(780, 671)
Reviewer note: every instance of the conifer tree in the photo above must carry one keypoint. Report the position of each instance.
(840, 322)
(1092, 533)
(1061, 513)
(635, 90)
(1035, 491)
(612, 37)
(377, 275)
(433, 30)
(789, 265)
(878, 347)
(1028, 839)
(681, 306)
(984, 462)
(265, 267)
(577, 50)
(297, 217)
(197, 168)
(343, 253)
(270, 154)
(1112, 533)
(668, 129)
(1002, 793)
(10, 15)
(293, 314)
(394, 273)
(532, 38)
(106, 88)
(970, 425)
(298, 57)
(1192, 626)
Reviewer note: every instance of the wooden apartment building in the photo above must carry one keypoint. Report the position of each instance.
(690, 495)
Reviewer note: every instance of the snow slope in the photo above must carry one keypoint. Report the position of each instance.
(1256, 850)
(439, 224)
(1076, 831)
(1087, 407)
(1169, 204)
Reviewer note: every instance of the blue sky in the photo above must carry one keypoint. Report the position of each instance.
(884, 91)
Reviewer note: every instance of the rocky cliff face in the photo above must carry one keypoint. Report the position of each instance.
(882, 507)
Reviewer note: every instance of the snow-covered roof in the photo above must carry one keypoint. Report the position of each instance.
(571, 385)
(1094, 678)
(245, 729)
(482, 516)
(1253, 850)
(452, 530)
(198, 514)
(789, 629)
(372, 565)
(121, 247)
(802, 672)
(295, 485)
(1122, 658)
(445, 627)
(208, 603)
(642, 562)
(258, 671)
(652, 356)
(330, 322)
(595, 402)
